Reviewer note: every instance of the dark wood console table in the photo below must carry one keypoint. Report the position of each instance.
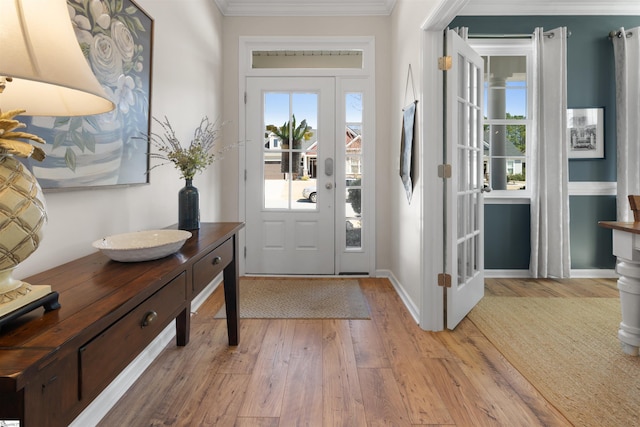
(53, 364)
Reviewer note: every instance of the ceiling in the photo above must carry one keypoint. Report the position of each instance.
(385, 7)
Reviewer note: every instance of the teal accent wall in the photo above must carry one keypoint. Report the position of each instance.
(507, 239)
(591, 245)
(590, 84)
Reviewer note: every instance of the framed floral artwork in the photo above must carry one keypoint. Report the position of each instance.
(105, 149)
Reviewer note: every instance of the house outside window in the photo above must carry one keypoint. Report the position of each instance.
(508, 115)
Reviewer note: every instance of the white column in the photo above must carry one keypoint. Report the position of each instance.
(629, 285)
(498, 139)
(626, 247)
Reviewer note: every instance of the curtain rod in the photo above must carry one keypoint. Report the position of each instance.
(511, 36)
(618, 34)
(500, 36)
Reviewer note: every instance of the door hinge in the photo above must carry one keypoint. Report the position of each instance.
(245, 98)
(444, 63)
(444, 280)
(444, 171)
(245, 251)
(245, 174)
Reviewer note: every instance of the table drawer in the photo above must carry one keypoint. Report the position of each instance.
(104, 357)
(55, 386)
(206, 269)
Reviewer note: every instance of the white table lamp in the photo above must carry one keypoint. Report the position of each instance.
(44, 72)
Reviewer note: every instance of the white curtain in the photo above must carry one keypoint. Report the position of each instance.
(626, 49)
(463, 32)
(550, 246)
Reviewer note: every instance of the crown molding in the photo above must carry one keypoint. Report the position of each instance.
(550, 7)
(442, 13)
(305, 7)
(385, 7)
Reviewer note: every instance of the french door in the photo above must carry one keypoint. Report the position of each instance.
(464, 207)
(290, 175)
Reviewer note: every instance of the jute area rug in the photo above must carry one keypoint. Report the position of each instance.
(300, 298)
(568, 349)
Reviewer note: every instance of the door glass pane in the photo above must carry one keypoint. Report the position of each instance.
(461, 263)
(304, 149)
(353, 213)
(353, 169)
(354, 233)
(354, 107)
(290, 150)
(462, 215)
(474, 77)
(471, 214)
(353, 155)
(462, 171)
(470, 257)
(473, 170)
(276, 189)
(463, 90)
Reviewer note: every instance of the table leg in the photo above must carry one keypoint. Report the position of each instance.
(629, 286)
(183, 326)
(232, 297)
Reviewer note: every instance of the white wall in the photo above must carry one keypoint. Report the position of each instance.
(234, 27)
(187, 82)
(195, 50)
(406, 220)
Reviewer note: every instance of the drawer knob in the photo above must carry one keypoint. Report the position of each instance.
(149, 318)
(217, 260)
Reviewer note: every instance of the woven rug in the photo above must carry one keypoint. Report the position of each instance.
(295, 298)
(568, 349)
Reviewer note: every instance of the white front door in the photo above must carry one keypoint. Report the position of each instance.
(464, 206)
(290, 175)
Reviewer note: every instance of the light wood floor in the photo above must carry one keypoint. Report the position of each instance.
(380, 372)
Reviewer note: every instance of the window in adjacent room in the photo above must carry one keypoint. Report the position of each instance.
(508, 115)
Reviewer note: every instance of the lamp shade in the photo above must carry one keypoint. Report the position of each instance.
(41, 55)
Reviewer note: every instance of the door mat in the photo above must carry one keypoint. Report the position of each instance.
(300, 298)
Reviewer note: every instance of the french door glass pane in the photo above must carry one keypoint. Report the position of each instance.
(290, 150)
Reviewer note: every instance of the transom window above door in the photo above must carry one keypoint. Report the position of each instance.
(308, 59)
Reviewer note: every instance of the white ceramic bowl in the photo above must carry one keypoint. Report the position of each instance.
(142, 245)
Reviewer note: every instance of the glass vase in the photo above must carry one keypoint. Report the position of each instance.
(188, 207)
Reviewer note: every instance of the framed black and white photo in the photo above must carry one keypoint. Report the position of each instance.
(585, 128)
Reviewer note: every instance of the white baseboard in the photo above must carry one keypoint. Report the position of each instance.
(507, 274)
(594, 273)
(406, 300)
(102, 404)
